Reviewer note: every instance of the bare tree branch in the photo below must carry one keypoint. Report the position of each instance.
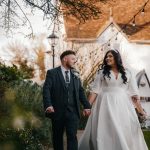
(81, 9)
(9, 16)
(25, 17)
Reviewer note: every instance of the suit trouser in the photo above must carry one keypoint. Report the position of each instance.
(68, 122)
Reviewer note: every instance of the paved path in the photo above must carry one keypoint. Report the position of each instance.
(78, 135)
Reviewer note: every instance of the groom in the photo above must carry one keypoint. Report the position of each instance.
(62, 94)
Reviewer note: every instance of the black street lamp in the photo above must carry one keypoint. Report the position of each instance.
(52, 40)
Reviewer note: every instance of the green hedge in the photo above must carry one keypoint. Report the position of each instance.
(22, 118)
(22, 121)
(147, 138)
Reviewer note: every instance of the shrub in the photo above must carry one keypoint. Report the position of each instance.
(22, 121)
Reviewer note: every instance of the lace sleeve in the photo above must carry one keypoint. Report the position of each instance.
(96, 84)
(132, 86)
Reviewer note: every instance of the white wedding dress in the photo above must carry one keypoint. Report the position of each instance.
(113, 123)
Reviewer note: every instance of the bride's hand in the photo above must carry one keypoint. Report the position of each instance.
(144, 117)
(137, 103)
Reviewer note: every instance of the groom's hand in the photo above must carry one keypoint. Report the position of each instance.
(86, 112)
(49, 109)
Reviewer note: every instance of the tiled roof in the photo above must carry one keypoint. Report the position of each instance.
(122, 12)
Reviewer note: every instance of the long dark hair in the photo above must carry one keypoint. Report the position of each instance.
(106, 68)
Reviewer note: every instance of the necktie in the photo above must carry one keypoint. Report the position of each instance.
(67, 76)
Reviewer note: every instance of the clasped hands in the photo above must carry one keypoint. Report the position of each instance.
(86, 112)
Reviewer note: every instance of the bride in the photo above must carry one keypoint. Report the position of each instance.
(113, 123)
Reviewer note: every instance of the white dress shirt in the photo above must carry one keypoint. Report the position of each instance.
(63, 72)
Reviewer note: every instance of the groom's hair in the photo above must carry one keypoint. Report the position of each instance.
(67, 52)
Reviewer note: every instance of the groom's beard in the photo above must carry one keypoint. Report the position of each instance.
(69, 66)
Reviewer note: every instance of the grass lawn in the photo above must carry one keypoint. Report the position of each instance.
(147, 138)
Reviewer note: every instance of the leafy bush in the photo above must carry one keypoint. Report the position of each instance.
(13, 73)
(23, 113)
(19, 139)
(22, 121)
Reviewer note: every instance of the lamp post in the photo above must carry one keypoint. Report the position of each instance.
(52, 40)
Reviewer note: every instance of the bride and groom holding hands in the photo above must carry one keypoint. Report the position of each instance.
(112, 122)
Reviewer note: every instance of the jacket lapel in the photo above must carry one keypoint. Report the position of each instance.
(61, 77)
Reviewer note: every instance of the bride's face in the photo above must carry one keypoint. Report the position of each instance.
(110, 59)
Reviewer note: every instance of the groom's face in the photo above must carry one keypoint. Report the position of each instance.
(70, 60)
